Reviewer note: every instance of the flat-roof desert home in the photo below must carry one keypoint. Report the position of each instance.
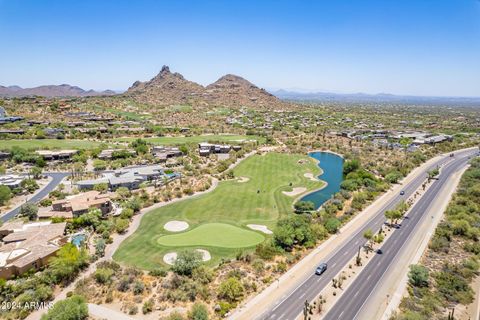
(4, 118)
(163, 153)
(11, 180)
(205, 148)
(56, 154)
(28, 246)
(130, 178)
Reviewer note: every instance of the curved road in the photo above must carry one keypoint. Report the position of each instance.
(57, 177)
(291, 307)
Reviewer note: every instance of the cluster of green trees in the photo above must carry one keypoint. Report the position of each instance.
(396, 214)
(298, 230)
(434, 289)
(73, 308)
(20, 155)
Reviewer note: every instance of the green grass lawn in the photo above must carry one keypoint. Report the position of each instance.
(35, 144)
(196, 139)
(257, 201)
(213, 235)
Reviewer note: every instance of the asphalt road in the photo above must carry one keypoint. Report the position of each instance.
(57, 177)
(291, 307)
(357, 294)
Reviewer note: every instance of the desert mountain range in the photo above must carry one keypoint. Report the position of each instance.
(63, 90)
(169, 88)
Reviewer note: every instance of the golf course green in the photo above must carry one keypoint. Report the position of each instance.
(213, 234)
(218, 219)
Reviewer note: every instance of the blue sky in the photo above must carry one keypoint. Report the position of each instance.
(427, 47)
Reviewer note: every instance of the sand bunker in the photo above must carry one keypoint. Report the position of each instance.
(205, 254)
(295, 191)
(260, 227)
(310, 176)
(242, 179)
(175, 226)
(171, 257)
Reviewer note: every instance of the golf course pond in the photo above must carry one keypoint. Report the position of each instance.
(332, 167)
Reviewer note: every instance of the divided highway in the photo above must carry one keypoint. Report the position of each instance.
(291, 307)
(356, 296)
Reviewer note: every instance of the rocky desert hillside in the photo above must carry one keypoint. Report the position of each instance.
(169, 88)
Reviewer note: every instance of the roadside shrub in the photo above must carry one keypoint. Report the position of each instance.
(266, 250)
(231, 289)
(332, 225)
(418, 276)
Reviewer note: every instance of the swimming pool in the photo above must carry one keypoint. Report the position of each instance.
(78, 239)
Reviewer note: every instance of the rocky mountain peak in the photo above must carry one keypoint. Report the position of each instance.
(168, 88)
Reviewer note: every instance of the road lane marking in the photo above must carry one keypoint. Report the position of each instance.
(390, 202)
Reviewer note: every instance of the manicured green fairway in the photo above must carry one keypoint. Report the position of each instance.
(197, 139)
(35, 144)
(257, 201)
(213, 235)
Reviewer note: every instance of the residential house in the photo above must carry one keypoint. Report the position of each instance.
(57, 154)
(108, 153)
(28, 246)
(53, 132)
(163, 153)
(6, 119)
(12, 181)
(77, 205)
(130, 178)
(4, 155)
(12, 131)
(206, 148)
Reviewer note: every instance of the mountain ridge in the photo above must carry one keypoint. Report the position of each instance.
(62, 90)
(371, 98)
(230, 90)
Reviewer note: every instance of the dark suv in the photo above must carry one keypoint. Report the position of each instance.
(322, 267)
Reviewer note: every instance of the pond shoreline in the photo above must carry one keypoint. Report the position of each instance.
(321, 177)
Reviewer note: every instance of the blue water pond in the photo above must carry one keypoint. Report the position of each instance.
(332, 166)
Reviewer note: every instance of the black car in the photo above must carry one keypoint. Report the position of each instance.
(379, 251)
(402, 193)
(322, 267)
